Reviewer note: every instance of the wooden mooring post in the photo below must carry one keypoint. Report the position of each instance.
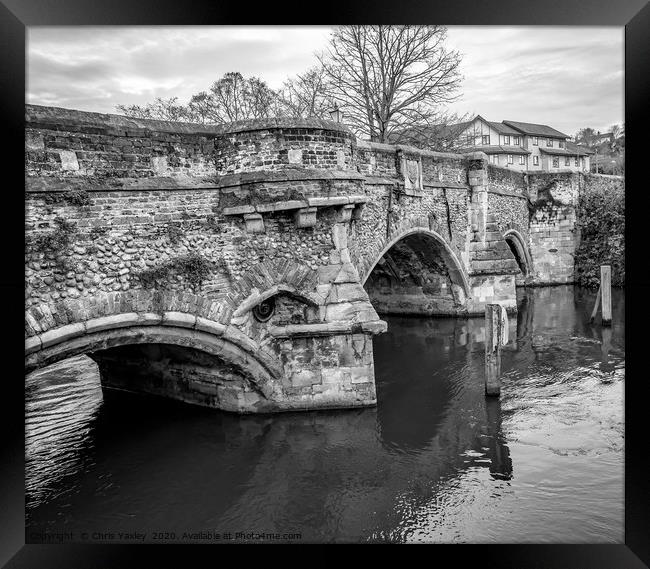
(493, 339)
(606, 294)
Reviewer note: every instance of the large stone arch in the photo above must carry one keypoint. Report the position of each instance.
(460, 287)
(132, 322)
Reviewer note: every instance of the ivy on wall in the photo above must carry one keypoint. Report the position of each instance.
(193, 267)
(601, 219)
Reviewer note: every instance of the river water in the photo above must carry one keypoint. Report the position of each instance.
(435, 461)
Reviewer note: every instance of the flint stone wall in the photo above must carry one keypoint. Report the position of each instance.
(297, 211)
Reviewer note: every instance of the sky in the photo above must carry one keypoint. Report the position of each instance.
(567, 77)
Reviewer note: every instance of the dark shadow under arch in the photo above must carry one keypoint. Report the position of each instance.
(520, 252)
(188, 365)
(417, 273)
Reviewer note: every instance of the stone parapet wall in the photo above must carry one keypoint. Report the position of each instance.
(174, 219)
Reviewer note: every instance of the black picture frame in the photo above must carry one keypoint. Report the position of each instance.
(16, 15)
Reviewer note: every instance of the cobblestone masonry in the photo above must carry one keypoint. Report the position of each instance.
(154, 246)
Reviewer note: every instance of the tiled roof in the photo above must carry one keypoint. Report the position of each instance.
(496, 149)
(536, 129)
(503, 128)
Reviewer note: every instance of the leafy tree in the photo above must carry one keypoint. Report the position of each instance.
(391, 81)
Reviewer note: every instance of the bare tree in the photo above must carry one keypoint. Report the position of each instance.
(161, 109)
(200, 109)
(391, 80)
(229, 99)
(305, 95)
(235, 98)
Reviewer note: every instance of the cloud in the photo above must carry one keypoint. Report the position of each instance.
(568, 77)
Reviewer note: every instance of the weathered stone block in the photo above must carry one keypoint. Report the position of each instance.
(305, 377)
(111, 322)
(69, 160)
(340, 235)
(254, 223)
(294, 156)
(348, 292)
(347, 274)
(305, 217)
(361, 374)
(179, 319)
(159, 165)
(205, 325)
(341, 311)
(58, 335)
(344, 214)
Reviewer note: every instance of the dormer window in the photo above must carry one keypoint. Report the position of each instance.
(535, 141)
(486, 139)
(506, 139)
(516, 141)
(561, 143)
(549, 142)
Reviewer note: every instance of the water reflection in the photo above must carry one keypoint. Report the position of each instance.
(435, 460)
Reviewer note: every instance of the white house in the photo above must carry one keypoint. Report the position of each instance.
(522, 146)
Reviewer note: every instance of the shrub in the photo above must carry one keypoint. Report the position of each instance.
(601, 219)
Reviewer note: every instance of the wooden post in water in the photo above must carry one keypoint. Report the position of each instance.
(595, 310)
(606, 294)
(493, 336)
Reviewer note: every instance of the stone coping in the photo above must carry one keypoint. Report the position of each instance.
(59, 118)
(297, 174)
(59, 183)
(295, 204)
(328, 329)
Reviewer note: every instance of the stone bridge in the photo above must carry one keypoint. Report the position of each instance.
(243, 266)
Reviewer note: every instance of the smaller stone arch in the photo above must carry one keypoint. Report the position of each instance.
(520, 251)
(270, 277)
(420, 274)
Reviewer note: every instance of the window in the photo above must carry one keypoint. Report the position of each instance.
(556, 162)
(535, 160)
(535, 141)
(522, 159)
(516, 141)
(486, 139)
(549, 142)
(561, 143)
(509, 158)
(469, 139)
(506, 139)
(495, 158)
(567, 161)
(576, 162)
